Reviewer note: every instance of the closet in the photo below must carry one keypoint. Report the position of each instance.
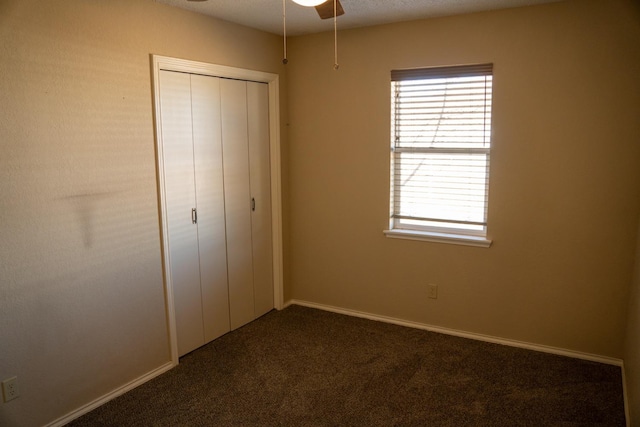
(215, 156)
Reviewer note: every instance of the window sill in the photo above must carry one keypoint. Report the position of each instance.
(454, 239)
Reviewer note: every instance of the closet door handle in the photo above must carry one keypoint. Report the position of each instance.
(194, 216)
(253, 204)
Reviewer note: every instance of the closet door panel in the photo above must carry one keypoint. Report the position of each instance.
(260, 179)
(237, 200)
(177, 150)
(207, 142)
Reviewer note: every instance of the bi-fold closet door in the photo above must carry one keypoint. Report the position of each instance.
(215, 148)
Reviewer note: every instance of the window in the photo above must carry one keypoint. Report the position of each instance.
(440, 146)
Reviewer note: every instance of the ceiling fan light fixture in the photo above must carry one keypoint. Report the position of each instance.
(309, 3)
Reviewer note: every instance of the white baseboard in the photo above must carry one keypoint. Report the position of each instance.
(109, 396)
(463, 334)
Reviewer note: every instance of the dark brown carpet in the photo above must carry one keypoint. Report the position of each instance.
(306, 367)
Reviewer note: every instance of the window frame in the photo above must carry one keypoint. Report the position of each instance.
(400, 226)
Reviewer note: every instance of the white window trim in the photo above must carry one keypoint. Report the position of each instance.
(430, 236)
(433, 234)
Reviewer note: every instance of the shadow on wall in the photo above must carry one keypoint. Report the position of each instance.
(85, 207)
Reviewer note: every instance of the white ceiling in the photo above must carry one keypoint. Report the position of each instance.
(266, 15)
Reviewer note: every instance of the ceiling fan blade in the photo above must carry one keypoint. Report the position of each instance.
(325, 10)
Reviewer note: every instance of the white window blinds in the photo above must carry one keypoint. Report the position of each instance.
(441, 137)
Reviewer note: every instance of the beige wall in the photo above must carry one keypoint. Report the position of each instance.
(632, 343)
(565, 175)
(81, 294)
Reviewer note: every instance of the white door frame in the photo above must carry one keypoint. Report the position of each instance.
(193, 67)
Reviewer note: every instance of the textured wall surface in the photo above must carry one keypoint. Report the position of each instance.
(82, 307)
(565, 175)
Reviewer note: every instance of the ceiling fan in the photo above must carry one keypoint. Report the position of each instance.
(325, 8)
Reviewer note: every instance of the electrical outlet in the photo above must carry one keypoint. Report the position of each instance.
(433, 291)
(10, 389)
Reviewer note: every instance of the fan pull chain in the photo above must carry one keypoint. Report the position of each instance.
(284, 30)
(335, 35)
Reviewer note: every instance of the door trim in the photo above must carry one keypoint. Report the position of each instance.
(159, 63)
